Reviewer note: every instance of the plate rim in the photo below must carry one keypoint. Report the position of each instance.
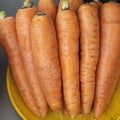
(21, 114)
(11, 98)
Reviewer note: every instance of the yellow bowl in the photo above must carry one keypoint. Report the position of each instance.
(111, 113)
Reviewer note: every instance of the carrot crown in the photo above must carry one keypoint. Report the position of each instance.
(65, 5)
(40, 14)
(27, 4)
(96, 0)
(3, 14)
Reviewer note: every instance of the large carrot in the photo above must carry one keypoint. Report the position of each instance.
(23, 25)
(45, 52)
(109, 61)
(68, 38)
(48, 7)
(89, 53)
(8, 40)
(74, 4)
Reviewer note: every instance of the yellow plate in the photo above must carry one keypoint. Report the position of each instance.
(111, 113)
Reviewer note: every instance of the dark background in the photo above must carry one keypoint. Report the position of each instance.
(7, 111)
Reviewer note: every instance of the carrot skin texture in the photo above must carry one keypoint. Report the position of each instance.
(96, 4)
(48, 7)
(109, 61)
(89, 53)
(8, 40)
(68, 39)
(23, 26)
(75, 4)
(45, 53)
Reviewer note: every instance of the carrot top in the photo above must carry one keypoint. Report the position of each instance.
(40, 14)
(96, 0)
(27, 4)
(3, 14)
(65, 5)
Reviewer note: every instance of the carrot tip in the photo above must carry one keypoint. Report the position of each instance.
(86, 115)
(73, 117)
(3, 14)
(43, 115)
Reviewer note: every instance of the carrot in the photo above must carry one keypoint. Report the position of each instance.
(45, 53)
(109, 61)
(23, 25)
(68, 38)
(74, 4)
(8, 40)
(96, 3)
(48, 7)
(89, 53)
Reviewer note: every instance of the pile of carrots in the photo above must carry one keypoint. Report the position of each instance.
(64, 57)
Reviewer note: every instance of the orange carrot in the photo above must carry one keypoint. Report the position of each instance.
(48, 7)
(96, 3)
(68, 38)
(8, 40)
(89, 53)
(23, 25)
(74, 4)
(109, 61)
(45, 53)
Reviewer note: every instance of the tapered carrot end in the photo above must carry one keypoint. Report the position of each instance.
(86, 108)
(66, 112)
(86, 112)
(86, 115)
(96, 117)
(37, 113)
(43, 115)
(73, 116)
(98, 112)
